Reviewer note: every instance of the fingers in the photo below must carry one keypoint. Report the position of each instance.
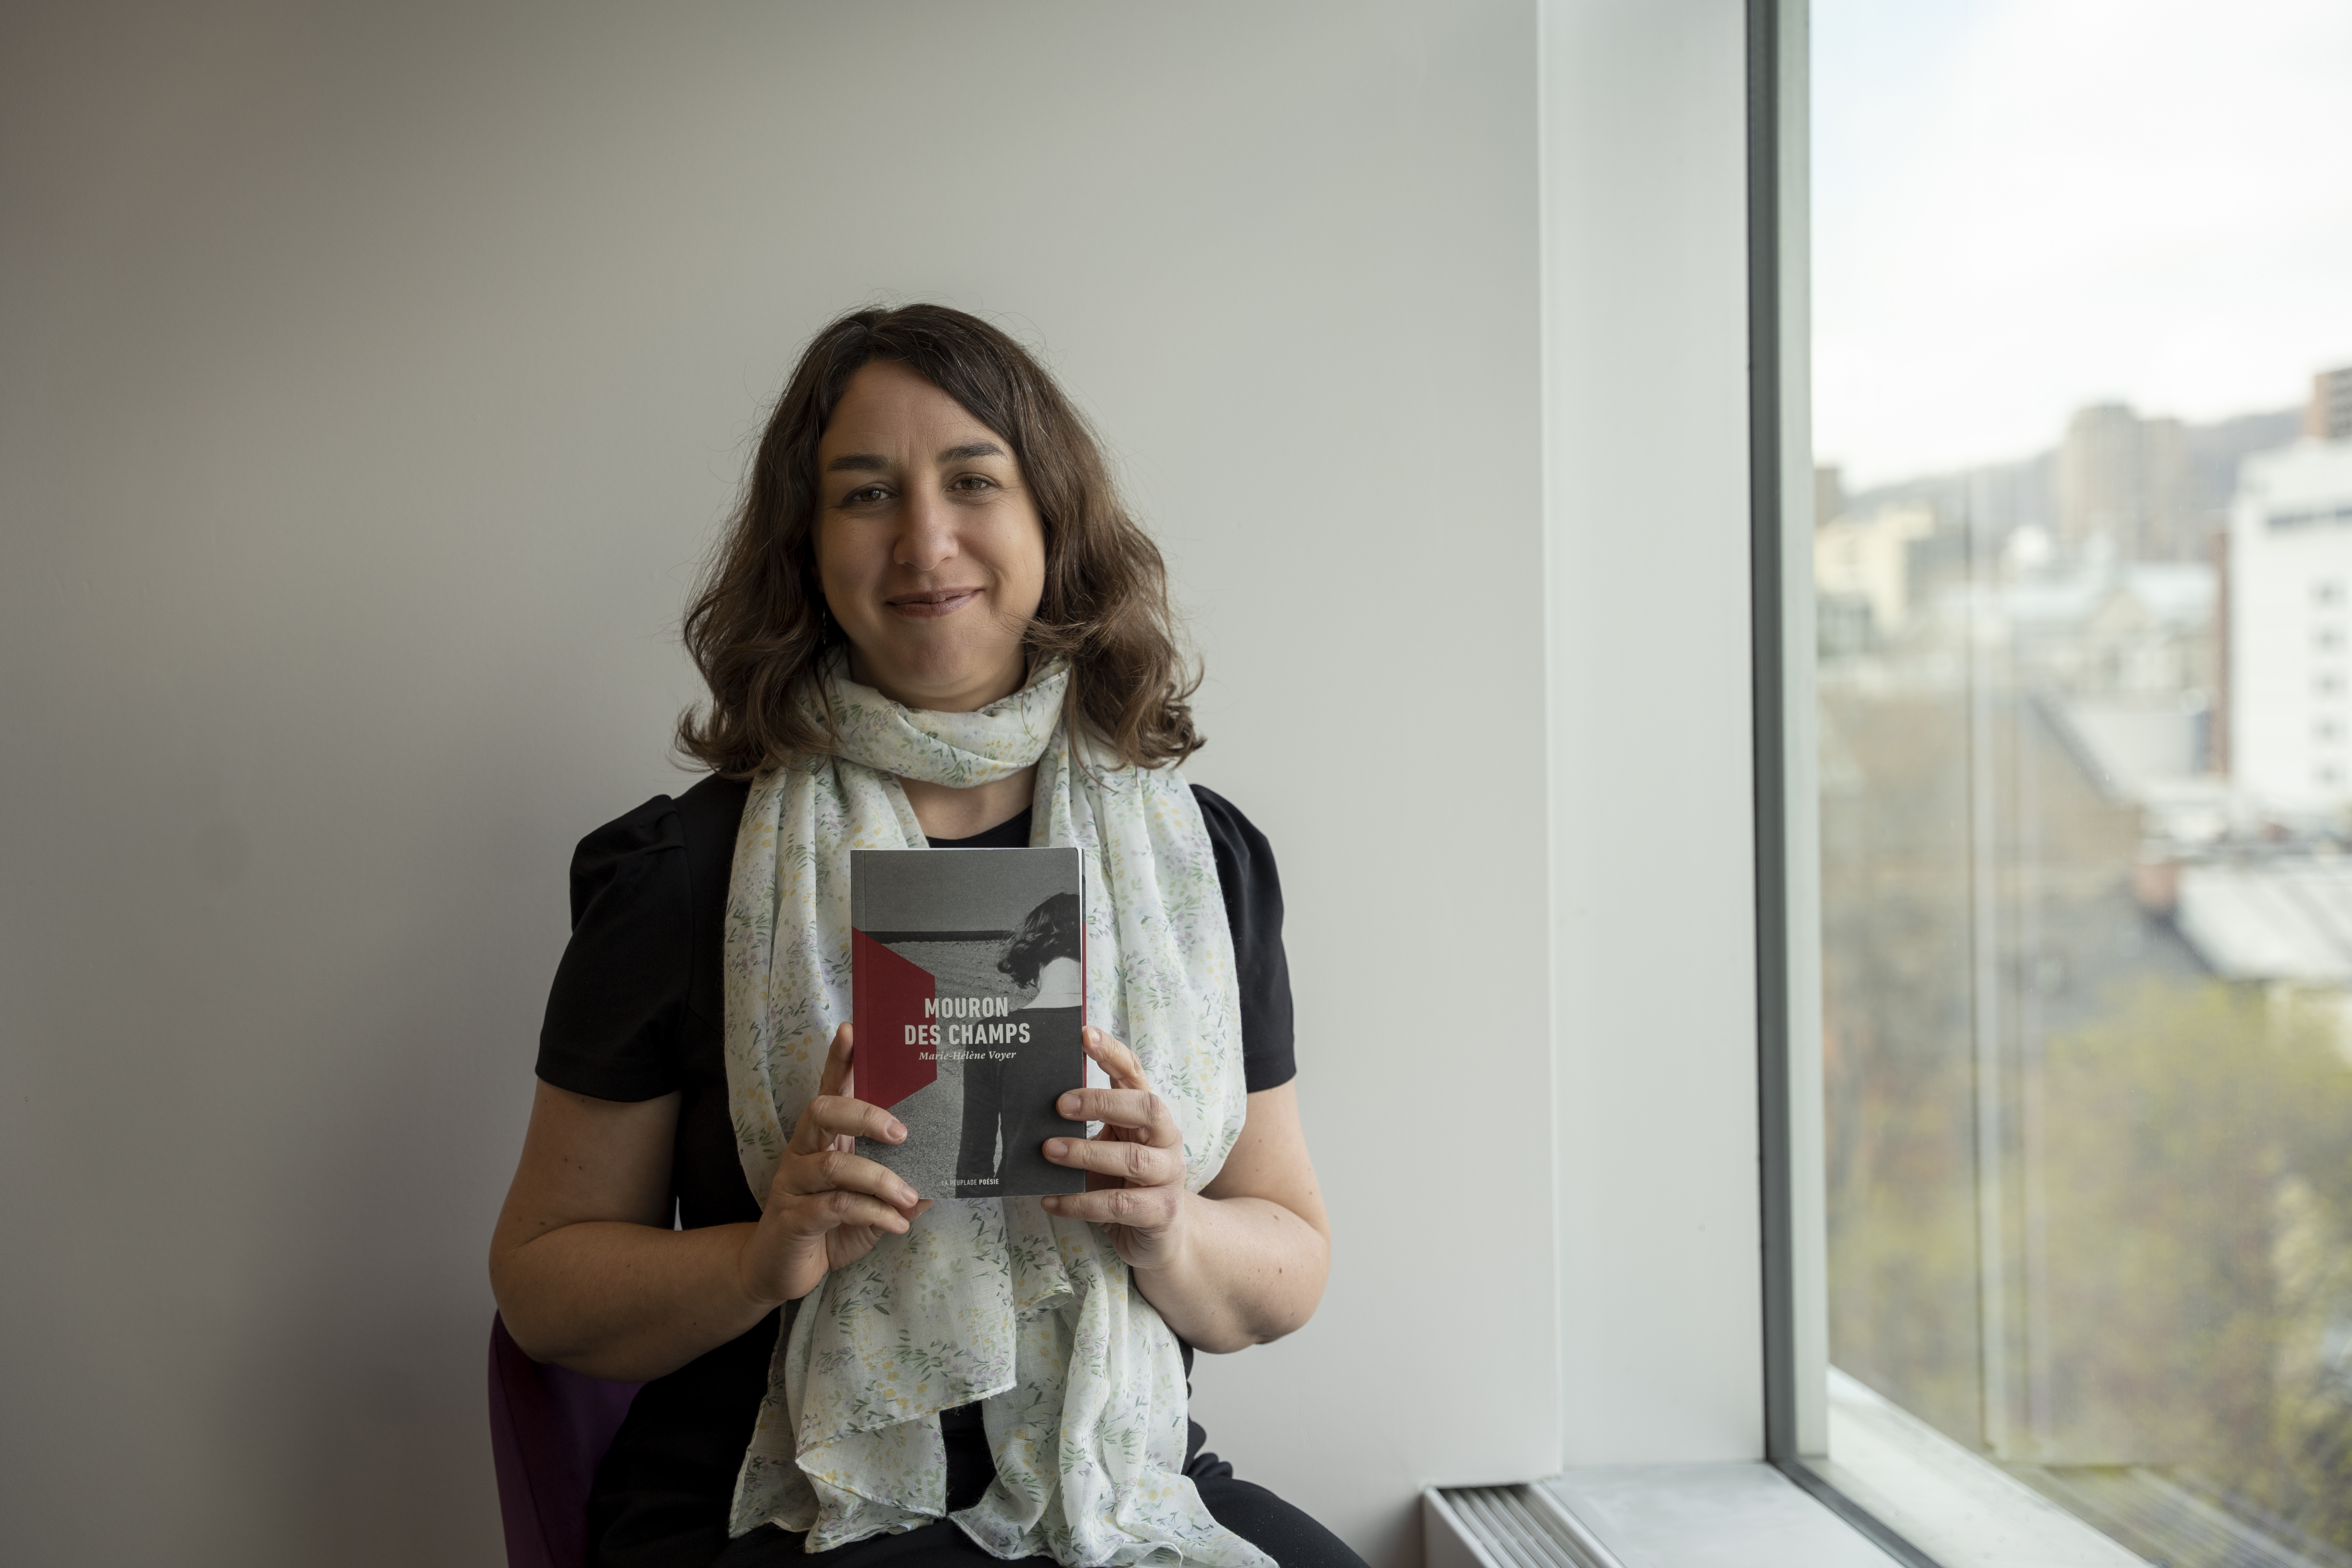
(1136, 1108)
(1125, 1069)
(838, 1171)
(1144, 1208)
(1140, 1164)
(816, 1213)
(838, 1078)
(1137, 1181)
(831, 1116)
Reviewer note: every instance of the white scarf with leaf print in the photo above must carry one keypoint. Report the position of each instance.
(1080, 1383)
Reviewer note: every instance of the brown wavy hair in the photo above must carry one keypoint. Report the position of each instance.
(759, 628)
(1054, 928)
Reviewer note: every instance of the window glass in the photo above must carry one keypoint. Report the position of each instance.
(2082, 408)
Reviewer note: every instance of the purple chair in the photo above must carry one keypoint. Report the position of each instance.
(549, 1428)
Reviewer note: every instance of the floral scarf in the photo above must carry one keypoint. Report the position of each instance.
(1080, 1384)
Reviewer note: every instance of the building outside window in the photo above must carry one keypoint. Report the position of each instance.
(2083, 407)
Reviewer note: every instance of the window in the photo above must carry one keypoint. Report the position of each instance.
(2079, 351)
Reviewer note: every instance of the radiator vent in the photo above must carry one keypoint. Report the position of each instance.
(1518, 1527)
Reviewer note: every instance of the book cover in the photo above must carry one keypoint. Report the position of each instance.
(968, 993)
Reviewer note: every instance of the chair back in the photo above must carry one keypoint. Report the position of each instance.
(549, 1431)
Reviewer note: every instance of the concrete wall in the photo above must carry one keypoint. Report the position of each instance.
(373, 378)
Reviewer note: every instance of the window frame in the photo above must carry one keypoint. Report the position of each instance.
(1790, 1135)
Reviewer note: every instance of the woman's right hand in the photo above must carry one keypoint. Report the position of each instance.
(828, 1206)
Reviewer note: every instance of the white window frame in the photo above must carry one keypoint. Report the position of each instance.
(1687, 991)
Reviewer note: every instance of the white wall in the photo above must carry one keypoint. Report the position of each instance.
(372, 377)
(1651, 797)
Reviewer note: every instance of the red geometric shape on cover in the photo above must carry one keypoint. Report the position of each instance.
(887, 998)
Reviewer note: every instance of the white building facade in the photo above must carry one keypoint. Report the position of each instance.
(1866, 561)
(2290, 627)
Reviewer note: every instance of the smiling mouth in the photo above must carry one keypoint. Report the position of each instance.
(933, 603)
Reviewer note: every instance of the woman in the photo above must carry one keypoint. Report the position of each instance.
(1042, 957)
(931, 623)
(1005, 1111)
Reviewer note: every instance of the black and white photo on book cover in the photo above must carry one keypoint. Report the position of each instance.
(968, 999)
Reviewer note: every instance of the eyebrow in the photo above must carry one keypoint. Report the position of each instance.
(874, 463)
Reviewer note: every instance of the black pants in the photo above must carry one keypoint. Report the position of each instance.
(1251, 1512)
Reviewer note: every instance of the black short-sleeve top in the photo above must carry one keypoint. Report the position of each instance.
(636, 1013)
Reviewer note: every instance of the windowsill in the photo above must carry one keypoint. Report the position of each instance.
(1642, 1516)
(1710, 1515)
(1952, 1504)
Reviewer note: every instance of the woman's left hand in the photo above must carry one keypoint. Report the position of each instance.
(1135, 1166)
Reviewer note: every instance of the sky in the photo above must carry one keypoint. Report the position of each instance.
(2021, 207)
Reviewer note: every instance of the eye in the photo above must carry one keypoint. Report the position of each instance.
(972, 482)
(866, 495)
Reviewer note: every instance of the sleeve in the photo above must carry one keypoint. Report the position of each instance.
(618, 1007)
(1253, 893)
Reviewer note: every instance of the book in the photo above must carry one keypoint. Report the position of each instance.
(968, 993)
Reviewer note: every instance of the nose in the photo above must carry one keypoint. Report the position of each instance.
(926, 535)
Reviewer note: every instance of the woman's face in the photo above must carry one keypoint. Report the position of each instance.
(930, 551)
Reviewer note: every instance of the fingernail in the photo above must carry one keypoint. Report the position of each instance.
(907, 1194)
(1068, 1105)
(1056, 1148)
(1052, 1204)
(897, 1133)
